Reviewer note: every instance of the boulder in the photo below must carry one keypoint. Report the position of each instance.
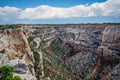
(19, 66)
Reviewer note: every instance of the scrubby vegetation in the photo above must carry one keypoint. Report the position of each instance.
(36, 64)
(6, 73)
(37, 59)
(56, 46)
(13, 26)
(53, 65)
(36, 56)
(56, 49)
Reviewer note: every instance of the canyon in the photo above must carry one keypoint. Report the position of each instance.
(61, 51)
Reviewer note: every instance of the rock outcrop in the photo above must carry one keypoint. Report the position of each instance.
(14, 43)
(109, 53)
(21, 69)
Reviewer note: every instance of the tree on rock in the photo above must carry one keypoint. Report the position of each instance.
(6, 73)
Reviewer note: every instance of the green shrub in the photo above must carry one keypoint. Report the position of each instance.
(2, 51)
(30, 39)
(36, 56)
(17, 78)
(6, 73)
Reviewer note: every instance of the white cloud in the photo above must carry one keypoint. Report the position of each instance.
(107, 8)
(8, 13)
(45, 11)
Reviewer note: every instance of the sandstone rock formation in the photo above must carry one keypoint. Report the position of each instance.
(109, 53)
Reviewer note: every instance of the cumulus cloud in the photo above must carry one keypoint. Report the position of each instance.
(45, 11)
(107, 8)
(8, 13)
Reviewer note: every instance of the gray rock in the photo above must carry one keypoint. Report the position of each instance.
(19, 66)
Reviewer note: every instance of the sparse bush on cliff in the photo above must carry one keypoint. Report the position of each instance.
(30, 39)
(2, 51)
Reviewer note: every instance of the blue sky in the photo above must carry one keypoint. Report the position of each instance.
(57, 3)
(33, 3)
(59, 11)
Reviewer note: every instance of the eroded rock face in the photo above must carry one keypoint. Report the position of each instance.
(111, 47)
(15, 44)
(111, 34)
(15, 51)
(109, 53)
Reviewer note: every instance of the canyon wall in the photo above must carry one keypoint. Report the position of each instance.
(15, 51)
